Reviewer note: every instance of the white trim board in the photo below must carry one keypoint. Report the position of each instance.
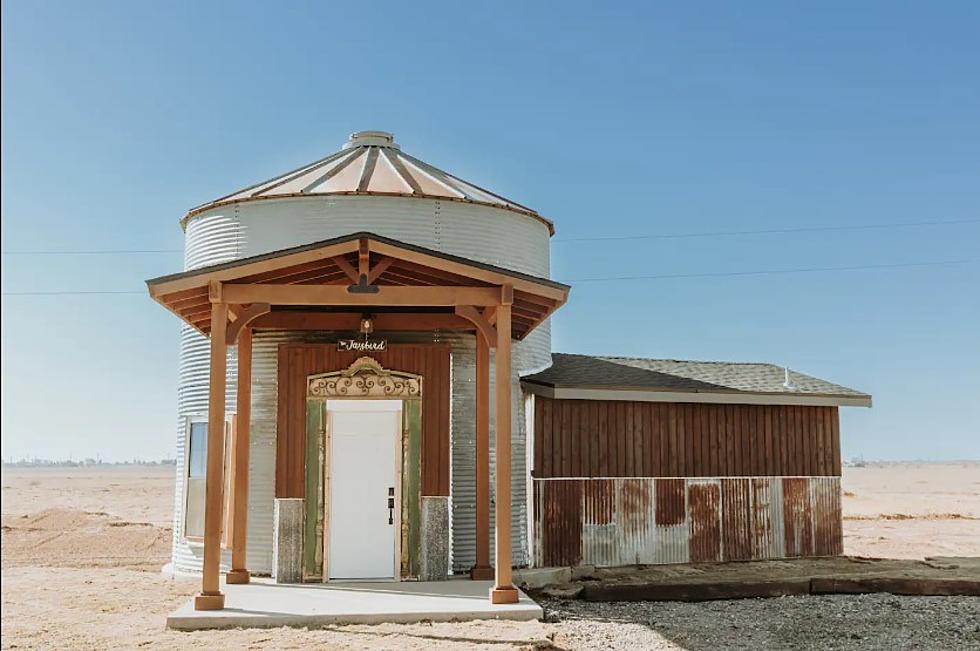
(734, 398)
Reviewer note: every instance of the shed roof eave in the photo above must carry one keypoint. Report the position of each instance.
(637, 394)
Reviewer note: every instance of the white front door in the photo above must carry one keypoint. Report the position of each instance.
(364, 438)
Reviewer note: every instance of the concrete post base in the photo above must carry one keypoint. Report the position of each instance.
(214, 601)
(504, 595)
(482, 573)
(238, 576)
(287, 541)
(434, 552)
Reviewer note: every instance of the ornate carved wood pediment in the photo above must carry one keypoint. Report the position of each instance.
(365, 378)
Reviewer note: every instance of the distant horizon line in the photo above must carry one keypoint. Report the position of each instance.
(854, 462)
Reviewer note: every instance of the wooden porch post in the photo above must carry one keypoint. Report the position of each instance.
(239, 461)
(211, 597)
(482, 571)
(503, 591)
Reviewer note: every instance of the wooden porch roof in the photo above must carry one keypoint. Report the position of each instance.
(357, 273)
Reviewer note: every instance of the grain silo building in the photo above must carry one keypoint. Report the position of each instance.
(370, 334)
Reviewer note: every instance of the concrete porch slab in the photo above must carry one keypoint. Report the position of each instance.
(264, 604)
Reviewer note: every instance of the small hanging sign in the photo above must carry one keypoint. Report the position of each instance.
(364, 345)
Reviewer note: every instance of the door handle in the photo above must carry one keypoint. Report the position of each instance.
(391, 505)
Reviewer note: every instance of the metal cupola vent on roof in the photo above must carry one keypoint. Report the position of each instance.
(370, 163)
(371, 138)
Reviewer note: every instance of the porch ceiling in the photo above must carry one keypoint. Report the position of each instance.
(401, 272)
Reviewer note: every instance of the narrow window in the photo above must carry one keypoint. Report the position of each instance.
(197, 457)
(196, 480)
(197, 462)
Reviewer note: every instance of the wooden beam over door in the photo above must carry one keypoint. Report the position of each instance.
(383, 322)
(422, 296)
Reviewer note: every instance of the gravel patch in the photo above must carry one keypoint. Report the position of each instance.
(874, 621)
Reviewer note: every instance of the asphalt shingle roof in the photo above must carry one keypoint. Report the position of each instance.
(586, 371)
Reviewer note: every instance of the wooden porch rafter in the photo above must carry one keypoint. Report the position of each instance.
(387, 263)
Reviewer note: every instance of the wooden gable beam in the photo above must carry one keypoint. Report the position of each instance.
(363, 259)
(469, 271)
(278, 274)
(165, 288)
(346, 267)
(379, 268)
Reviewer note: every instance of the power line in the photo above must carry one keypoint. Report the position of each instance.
(718, 274)
(95, 252)
(600, 238)
(761, 272)
(74, 293)
(766, 231)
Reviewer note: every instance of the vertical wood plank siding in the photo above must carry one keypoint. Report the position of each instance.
(298, 361)
(598, 438)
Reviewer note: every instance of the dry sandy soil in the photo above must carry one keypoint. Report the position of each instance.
(82, 550)
(912, 510)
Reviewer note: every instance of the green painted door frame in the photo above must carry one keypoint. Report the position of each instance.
(411, 483)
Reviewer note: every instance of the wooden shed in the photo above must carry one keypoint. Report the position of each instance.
(668, 461)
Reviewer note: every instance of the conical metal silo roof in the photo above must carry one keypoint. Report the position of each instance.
(370, 163)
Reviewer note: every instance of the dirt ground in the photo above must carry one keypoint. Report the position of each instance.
(912, 510)
(82, 550)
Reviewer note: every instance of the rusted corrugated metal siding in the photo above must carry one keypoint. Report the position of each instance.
(797, 516)
(825, 496)
(767, 517)
(626, 521)
(609, 438)
(738, 512)
(704, 519)
(559, 510)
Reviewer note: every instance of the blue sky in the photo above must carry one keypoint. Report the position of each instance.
(619, 120)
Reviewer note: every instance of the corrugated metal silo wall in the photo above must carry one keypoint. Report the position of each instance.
(625, 521)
